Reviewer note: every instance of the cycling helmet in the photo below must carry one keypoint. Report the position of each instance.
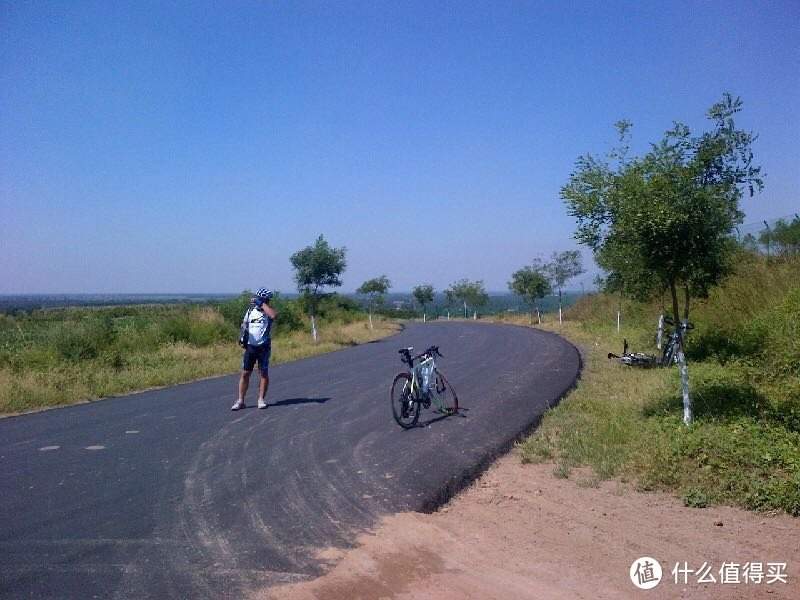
(264, 294)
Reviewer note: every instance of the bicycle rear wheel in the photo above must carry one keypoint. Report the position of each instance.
(404, 408)
(443, 395)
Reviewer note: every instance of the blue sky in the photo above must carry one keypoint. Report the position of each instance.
(194, 147)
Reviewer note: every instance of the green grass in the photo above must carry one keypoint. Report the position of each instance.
(66, 356)
(743, 447)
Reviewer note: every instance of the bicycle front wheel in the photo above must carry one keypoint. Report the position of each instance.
(404, 409)
(443, 395)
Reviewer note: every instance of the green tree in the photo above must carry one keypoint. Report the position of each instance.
(317, 267)
(665, 221)
(469, 293)
(449, 300)
(783, 236)
(531, 283)
(424, 295)
(374, 290)
(564, 266)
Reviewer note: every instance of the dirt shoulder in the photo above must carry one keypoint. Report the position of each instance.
(519, 532)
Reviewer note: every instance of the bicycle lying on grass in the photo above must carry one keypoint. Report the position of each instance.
(422, 385)
(668, 357)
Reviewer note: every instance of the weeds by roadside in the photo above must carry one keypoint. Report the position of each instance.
(76, 355)
(744, 445)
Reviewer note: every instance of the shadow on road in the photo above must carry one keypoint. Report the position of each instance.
(293, 401)
(461, 414)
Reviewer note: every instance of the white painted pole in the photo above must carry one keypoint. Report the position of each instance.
(619, 318)
(687, 401)
(660, 333)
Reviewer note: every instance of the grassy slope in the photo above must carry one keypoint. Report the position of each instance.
(744, 446)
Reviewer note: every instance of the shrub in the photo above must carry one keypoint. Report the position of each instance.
(233, 310)
(81, 341)
(199, 327)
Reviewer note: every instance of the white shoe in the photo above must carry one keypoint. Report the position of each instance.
(239, 404)
(262, 403)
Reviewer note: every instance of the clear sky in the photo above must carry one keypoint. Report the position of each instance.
(195, 146)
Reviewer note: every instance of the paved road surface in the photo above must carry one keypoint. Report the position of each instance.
(169, 494)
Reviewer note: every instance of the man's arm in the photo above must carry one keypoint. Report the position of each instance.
(269, 311)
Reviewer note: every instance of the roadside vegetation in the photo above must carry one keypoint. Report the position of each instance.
(68, 355)
(743, 445)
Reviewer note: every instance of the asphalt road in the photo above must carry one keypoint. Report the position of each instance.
(169, 494)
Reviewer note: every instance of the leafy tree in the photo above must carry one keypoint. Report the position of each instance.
(424, 295)
(785, 237)
(448, 301)
(564, 266)
(664, 221)
(470, 293)
(374, 290)
(316, 267)
(532, 283)
(749, 243)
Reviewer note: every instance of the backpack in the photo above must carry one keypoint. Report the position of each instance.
(244, 331)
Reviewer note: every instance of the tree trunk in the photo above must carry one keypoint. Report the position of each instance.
(686, 305)
(559, 305)
(687, 400)
(313, 328)
(370, 320)
(660, 331)
(539, 316)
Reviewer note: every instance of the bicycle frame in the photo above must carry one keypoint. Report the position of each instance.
(668, 356)
(417, 393)
(422, 385)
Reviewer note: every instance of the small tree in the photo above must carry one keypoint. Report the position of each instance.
(531, 283)
(316, 267)
(665, 221)
(424, 295)
(785, 237)
(564, 267)
(470, 293)
(448, 301)
(374, 290)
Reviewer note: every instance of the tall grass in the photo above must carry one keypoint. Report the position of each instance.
(57, 357)
(744, 445)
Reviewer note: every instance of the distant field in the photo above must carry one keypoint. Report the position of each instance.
(28, 302)
(498, 301)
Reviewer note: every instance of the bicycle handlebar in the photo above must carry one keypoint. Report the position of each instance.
(406, 354)
(686, 325)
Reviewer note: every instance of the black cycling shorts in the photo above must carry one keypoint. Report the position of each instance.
(260, 354)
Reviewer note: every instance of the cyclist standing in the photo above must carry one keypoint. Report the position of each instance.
(258, 321)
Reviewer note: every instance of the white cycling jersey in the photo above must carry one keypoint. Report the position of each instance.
(258, 327)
